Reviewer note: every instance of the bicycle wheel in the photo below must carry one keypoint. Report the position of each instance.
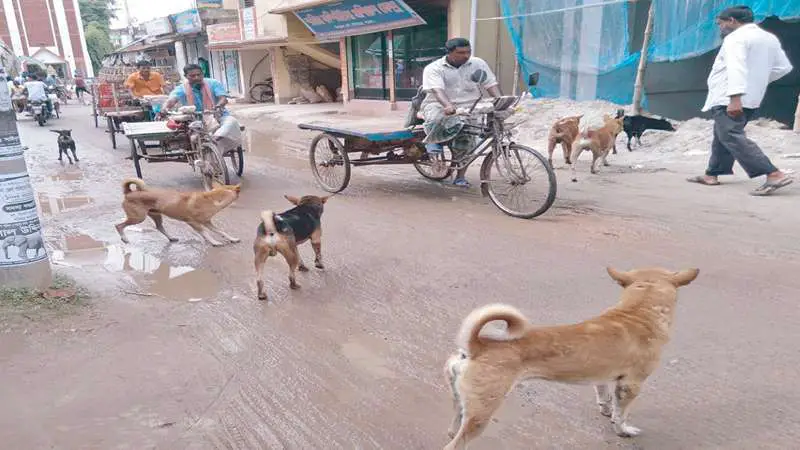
(237, 160)
(262, 93)
(329, 163)
(214, 167)
(433, 168)
(521, 184)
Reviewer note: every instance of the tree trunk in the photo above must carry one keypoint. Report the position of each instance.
(23, 258)
(638, 88)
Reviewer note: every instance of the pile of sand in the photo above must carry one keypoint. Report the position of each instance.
(693, 137)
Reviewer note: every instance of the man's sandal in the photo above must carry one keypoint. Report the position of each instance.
(700, 179)
(771, 186)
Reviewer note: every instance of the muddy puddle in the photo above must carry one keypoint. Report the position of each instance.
(153, 276)
(67, 176)
(51, 204)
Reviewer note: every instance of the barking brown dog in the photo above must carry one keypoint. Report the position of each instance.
(563, 132)
(282, 233)
(600, 141)
(615, 352)
(194, 208)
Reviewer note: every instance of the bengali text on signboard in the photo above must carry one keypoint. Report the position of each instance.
(354, 17)
(223, 32)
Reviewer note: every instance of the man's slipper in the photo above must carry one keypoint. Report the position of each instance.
(771, 186)
(702, 180)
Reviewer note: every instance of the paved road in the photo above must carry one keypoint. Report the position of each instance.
(177, 353)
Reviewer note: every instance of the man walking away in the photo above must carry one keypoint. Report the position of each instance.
(748, 61)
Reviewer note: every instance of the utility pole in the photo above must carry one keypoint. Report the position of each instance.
(638, 88)
(23, 257)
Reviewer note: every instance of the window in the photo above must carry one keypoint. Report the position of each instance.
(246, 3)
(413, 49)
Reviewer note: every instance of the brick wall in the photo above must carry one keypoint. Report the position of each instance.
(37, 23)
(81, 61)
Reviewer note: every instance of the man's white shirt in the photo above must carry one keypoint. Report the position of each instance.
(748, 61)
(37, 91)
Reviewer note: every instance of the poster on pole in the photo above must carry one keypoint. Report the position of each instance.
(21, 239)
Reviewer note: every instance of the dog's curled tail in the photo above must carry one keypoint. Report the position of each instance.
(268, 219)
(469, 339)
(126, 185)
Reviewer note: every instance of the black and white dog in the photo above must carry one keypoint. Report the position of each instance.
(65, 144)
(635, 126)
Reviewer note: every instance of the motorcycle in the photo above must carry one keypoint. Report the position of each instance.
(55, 100)
(39, 111)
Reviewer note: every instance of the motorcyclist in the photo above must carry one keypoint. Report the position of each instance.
(37, 91)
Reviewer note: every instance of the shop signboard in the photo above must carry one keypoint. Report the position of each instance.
(187, 22)
(209, 3)
(248, 23)
(157, 27)
(355, 17)
(223, 32)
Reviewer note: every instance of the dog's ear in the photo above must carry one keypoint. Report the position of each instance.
(293, 200)
(623, 278)
(325, 199)
(684, 277)
(238, 187)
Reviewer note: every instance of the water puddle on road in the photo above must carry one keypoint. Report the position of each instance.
(152, 275)
(67, 176)
(365, 354)
(52, 205)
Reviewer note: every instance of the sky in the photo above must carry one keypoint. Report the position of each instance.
(144, 10)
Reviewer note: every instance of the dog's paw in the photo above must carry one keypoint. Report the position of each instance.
(217, 244)
(235, 240)
(262, 296)
(319, 265)
(303, 269)
(605, 409)
(173, 240)
(294, 286)
(626, 430)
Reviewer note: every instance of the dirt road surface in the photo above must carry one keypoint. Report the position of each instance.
(177, 353)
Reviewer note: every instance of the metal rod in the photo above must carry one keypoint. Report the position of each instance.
(553, 11)
(473, 24)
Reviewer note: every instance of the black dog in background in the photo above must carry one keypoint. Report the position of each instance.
(635, 126)
(65, 144)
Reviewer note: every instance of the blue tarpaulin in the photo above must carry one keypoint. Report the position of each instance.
(582, 47)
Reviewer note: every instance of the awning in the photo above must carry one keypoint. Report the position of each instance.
(29, 60)
(333, 20)
(46, 56)
(149, 42)
(287, 6)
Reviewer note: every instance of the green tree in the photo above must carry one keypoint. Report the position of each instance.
(98, 44)
(98, 11)
(96, 16)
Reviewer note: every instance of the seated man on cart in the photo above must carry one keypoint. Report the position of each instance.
(206, 94)
(144, 81)
(449, 87)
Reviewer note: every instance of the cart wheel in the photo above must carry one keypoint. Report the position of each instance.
(214, 168)
(435, 169)
(329, 163)
(112, 132)
(135, 157)
(519, 193)
(237, 160)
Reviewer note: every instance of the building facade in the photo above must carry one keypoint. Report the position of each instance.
(374, 51)
(50, 31)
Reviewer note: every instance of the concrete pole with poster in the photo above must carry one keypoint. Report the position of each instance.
(23, 257)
